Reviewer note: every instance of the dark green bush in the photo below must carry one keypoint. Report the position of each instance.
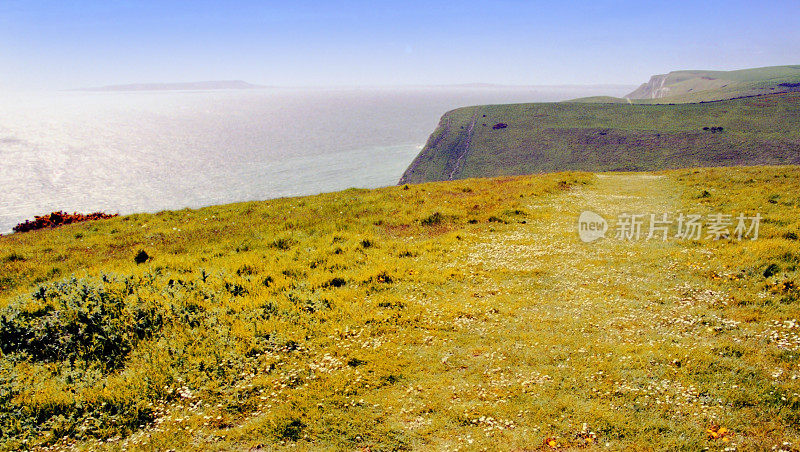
(141, 257)
(14, 257)
(282, 244)
(771, 270)
(289, 429)
(433, 219)
(77, 319)
(246, 270)
(336, 282)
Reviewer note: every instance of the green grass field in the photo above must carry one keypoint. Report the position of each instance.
(461, 315)
(548, 137)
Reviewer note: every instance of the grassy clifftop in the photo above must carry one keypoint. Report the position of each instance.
(546, 137)
(438, 316)
(706, 86)
(696, 86)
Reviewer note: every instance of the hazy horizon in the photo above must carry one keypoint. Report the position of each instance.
(141, 151)
(54, 46)
(475, 85)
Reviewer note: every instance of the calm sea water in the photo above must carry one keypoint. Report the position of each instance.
(148, 151)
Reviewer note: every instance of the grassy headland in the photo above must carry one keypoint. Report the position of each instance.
(706, 86)
(443, 316)
(548, 137)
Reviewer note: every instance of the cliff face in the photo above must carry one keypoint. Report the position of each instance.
(444, 155)
(653, 89)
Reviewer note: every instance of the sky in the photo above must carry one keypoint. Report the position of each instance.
(73, 44)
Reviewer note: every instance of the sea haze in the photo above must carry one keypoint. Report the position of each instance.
(148, 151)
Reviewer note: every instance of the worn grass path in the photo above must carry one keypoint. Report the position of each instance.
(596, 342)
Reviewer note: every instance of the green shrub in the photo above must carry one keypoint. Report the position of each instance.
(433, 219)
(383, 278)
(246, 270)
(141, 257)
(289, 428)
(771, 270)
(14, 257)
(336, 282)
(282, 244)
(77, 319)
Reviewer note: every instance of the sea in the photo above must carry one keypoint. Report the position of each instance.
(147, 151)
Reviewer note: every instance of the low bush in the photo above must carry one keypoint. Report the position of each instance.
(77, 320)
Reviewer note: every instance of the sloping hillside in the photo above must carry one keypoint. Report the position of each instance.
(464, 315)
(495, 140)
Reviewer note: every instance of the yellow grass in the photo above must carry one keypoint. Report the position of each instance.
(440, 333)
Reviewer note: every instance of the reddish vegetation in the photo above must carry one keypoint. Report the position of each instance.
(59, 218)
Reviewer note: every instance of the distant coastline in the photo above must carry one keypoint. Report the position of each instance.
(185, 86)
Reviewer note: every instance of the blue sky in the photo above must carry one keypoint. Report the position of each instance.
(69, 44)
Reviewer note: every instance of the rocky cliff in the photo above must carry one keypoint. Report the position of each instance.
(653, 89)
